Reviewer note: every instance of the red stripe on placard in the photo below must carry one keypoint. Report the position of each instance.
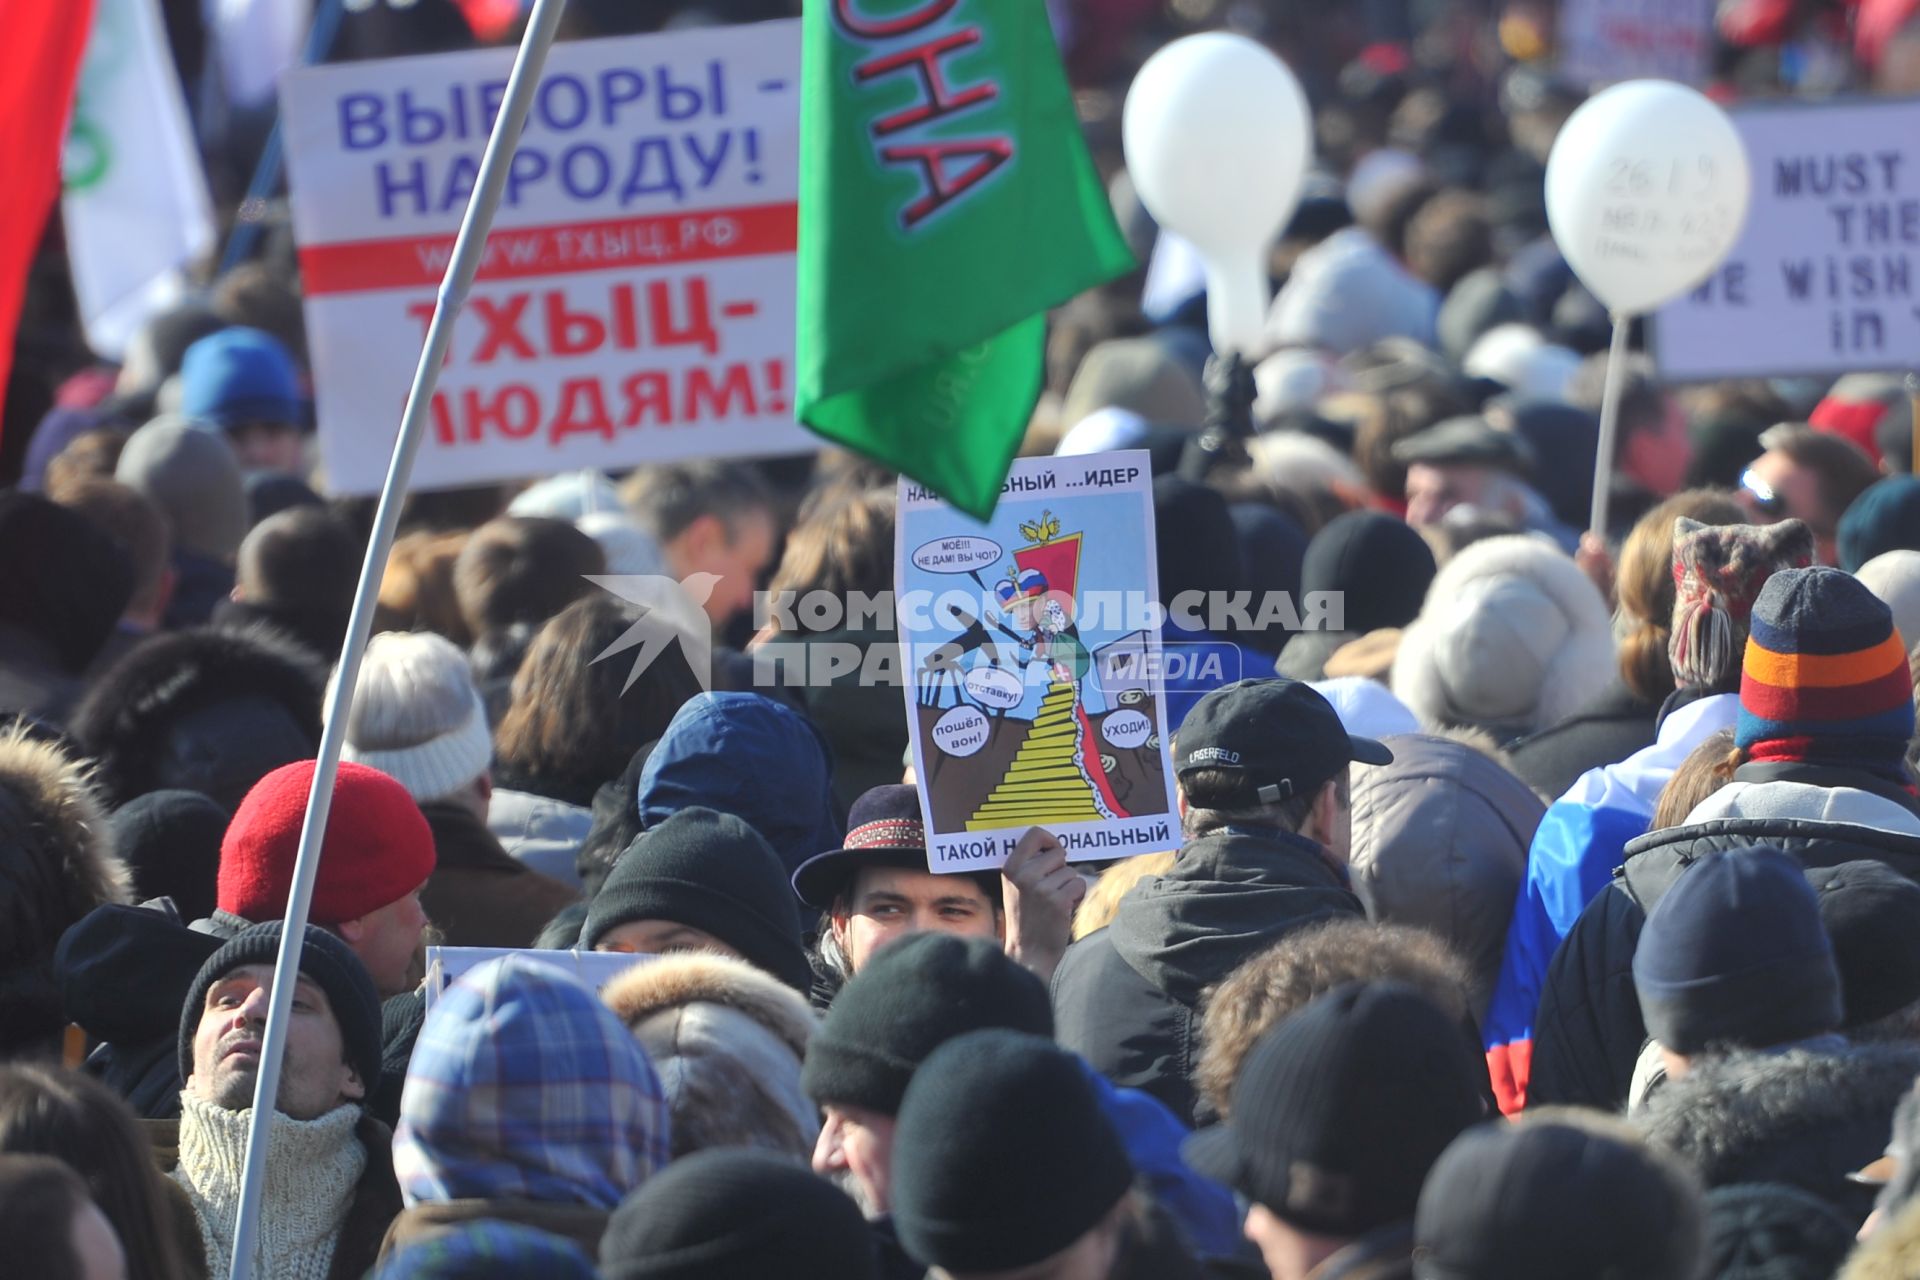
(621, 243)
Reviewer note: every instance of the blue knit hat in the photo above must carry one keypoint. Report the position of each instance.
(1735, 953)
(240, 376)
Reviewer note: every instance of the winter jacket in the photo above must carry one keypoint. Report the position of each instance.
(541, 834)
(1607, 730)
(1127, 997)
(200, 583)
(1588, 1030)
(478, 896)
(1800, 1117)
(1386, 1254)
(1440, 843)
(1573, 854)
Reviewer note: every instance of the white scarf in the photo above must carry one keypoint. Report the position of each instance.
(313, 1167)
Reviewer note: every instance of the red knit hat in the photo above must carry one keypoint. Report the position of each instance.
(378, 848)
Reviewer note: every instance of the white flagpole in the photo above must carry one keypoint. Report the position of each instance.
(467, 251)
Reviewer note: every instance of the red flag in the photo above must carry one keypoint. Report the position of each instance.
(39, 65)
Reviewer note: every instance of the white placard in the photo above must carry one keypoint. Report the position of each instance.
(636, 301)
(1826, 277)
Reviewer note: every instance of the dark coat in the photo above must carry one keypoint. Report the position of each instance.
(478, 896)
(1127, 997)
(1605, 731)
(1588, 1031)
(1805, 1118)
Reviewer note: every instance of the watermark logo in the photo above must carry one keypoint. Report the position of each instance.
(672, 611)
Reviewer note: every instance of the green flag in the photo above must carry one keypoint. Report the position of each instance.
(946, 202)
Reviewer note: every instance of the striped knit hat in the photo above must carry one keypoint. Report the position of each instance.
(1826, 676)
(1718, 571)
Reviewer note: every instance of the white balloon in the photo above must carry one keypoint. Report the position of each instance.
(1217, 136)
(1647, 190)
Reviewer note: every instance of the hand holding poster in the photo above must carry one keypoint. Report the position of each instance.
(636, 302)
(1036, 694)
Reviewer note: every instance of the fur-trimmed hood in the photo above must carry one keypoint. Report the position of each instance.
(56, 865)
(728, 1042)
(1513, 637)
(674, 981)
(1802, 1117)
(208, 710)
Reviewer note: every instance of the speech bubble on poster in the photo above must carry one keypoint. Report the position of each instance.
(992, 687)
(965, 553)
(960, 732)
(1126, 729)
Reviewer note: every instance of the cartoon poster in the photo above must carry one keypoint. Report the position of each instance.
(1034, 657)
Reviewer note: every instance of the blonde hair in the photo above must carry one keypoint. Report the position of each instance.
(1103, 899)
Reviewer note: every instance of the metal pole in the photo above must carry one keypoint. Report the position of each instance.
(467, 251)
(266, 174)
(1609, 427)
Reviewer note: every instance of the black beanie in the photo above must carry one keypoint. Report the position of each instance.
(170, 840)
(1770, 1231)
(327, 961)
(1735, 954)
(62, 579)
(914, 996)
(1380, 564)
(1872, 915)
(1516, 1202)
(737, 1215)
(1340, 1110)
(709, 871)
(1198, 548)
(1002, 1156)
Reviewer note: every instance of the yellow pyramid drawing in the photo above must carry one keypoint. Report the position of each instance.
(1042, 785)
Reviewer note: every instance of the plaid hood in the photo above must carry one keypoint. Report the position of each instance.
(524, 1086)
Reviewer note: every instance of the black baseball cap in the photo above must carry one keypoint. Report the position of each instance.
(1280, 736)
(1341, 1109)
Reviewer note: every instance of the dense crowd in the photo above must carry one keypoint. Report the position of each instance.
(1548, 907)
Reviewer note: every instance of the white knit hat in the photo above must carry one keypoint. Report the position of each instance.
(417, 717)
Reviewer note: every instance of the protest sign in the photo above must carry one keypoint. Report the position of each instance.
(595, 968)
(1822, 281)
(1604, 41)
(636, 300)
(1037, 694)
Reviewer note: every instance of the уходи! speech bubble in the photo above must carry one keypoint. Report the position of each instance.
(1126, 729)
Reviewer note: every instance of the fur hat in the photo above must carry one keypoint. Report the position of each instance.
(1718, 571)
(728, 1042)
(1513, 637)
(417, 717)
(56, 865)
(204, 710)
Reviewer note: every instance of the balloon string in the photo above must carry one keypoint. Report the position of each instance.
(1609, 426)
